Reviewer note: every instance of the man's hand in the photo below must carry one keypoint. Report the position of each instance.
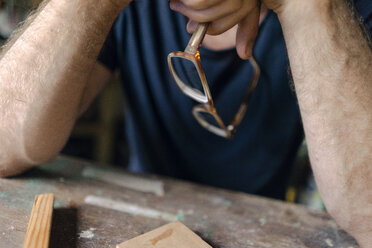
(223, 15)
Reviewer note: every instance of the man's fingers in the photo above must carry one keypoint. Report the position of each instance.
(223, 15)
(223, 24)
(247, 33)
(199, 4)
(215, 12)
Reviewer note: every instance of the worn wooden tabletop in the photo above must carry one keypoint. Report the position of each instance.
(89, 211)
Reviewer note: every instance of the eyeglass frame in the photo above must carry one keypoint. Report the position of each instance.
(192, 53)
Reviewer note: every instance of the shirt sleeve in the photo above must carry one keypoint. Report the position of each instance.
(108, 54)
(364, 9)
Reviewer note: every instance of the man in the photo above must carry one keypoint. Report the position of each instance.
(49, 75)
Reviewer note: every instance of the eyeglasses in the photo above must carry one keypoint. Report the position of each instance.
(188, 74)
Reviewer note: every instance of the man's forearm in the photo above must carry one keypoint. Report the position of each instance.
(43, 74)
(331, 65)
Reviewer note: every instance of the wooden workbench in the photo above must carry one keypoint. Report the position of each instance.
(220, 217)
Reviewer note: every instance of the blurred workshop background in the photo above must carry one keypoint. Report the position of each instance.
(99, 133)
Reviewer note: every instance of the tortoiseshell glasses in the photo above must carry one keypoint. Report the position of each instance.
(188, 74)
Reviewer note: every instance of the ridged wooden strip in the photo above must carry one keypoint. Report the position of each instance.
(38, 231)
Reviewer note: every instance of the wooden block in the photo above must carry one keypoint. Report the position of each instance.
(173, 235)
(38, 231)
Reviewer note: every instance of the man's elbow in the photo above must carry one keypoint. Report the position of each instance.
(12, 165)
(353, 213)
(15, 163)
(21, 155)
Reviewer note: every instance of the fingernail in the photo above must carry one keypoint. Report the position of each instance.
(248, 51)
(174, 5)
(191, 26)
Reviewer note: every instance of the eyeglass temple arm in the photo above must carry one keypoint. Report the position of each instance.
(240, 114)
(197, 38)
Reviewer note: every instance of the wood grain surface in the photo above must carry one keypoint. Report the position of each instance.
(38, 231)
(175, 235)
(221, 218)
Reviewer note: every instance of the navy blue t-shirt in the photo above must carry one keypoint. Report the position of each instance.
(163, 135)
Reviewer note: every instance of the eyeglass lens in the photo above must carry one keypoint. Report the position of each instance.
(187, 73)
(209, 118)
